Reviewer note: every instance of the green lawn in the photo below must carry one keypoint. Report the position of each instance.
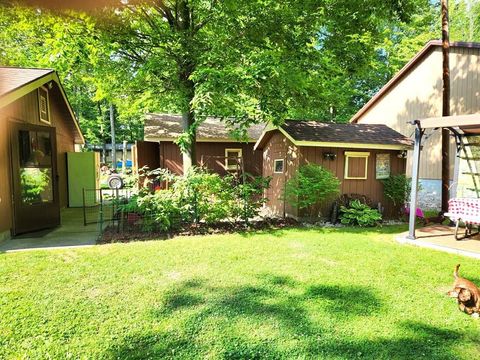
(296, 293)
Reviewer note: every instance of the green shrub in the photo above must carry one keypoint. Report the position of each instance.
(249, 196)
(159, 211)
(310, 186)
(359, 214)
(397, 189)
(204, 196)
(198, 196)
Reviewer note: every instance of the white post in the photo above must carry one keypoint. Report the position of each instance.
(415, 173)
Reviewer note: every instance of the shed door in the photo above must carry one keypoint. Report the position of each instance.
(34, 178)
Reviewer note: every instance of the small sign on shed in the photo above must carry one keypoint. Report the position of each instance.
(382, 166)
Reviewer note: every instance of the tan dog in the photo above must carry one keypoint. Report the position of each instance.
(466, 293)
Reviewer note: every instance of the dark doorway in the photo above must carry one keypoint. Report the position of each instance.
(34, 178)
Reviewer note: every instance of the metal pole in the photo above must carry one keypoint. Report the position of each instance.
(243, 187)
(84, 209)
(124, 157)
(456, 169)
(415, 173)
(101, 209)
(112, 131)
(445, 107)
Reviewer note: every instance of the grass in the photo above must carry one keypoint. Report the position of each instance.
(316, 293)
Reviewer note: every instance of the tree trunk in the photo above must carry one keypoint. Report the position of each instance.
(189, 155)
(104, 152)
(188, 116)
(445, 107)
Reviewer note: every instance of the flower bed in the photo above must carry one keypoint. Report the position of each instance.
(111, 234)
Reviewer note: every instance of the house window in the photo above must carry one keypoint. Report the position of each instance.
(44, 109)
(356, 165)
(278, 166)
(233, 158)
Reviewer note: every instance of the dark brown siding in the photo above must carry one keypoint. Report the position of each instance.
(25, 110)
(370, 187)
(5, 198)
(147, 155)
(171, 157)
(279, 147)
(65, 140)
(211, 155)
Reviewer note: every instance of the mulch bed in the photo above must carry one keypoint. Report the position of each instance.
(112, 234)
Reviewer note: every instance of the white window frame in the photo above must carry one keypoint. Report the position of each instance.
(238, 151)
(46, 121)
(356, 154)
(275, 167)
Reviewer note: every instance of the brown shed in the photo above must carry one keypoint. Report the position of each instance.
(358, 155)
(217, 150)
(37, 128)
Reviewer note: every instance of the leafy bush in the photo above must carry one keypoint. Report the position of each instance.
(345, 200)
(359, 214)
(397, 189)
(249, 197)
(310, 186)
(198, 196)
(204, 196)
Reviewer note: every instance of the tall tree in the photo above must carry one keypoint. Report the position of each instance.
(247, 60)
(70, 43)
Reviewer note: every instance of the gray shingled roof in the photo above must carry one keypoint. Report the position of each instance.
(12, 78)
(344, 133)
(169, 127)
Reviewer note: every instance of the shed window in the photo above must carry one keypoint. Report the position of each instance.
(356, 165)
(278, 166)
(43, 105)
(233, 158)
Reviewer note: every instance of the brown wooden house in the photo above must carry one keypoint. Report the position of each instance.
(37, 128)
(358, 155)
(217, 150)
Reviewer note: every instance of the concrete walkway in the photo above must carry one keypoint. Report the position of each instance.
(441, 237)
(71, 233)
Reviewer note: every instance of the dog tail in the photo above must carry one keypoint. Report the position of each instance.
(455, 272)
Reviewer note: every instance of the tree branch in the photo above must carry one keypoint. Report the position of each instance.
(167, 13)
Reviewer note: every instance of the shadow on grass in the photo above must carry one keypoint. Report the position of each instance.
(218, 322)
(427, 342)
(347, 301)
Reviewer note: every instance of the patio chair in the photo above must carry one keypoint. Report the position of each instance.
(467, 211)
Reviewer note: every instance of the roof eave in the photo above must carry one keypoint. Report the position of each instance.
(354, 145)
(23, 90)
(260, 143)
(429, 46)
(208, 140)
(26, 88)
(70, 110)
